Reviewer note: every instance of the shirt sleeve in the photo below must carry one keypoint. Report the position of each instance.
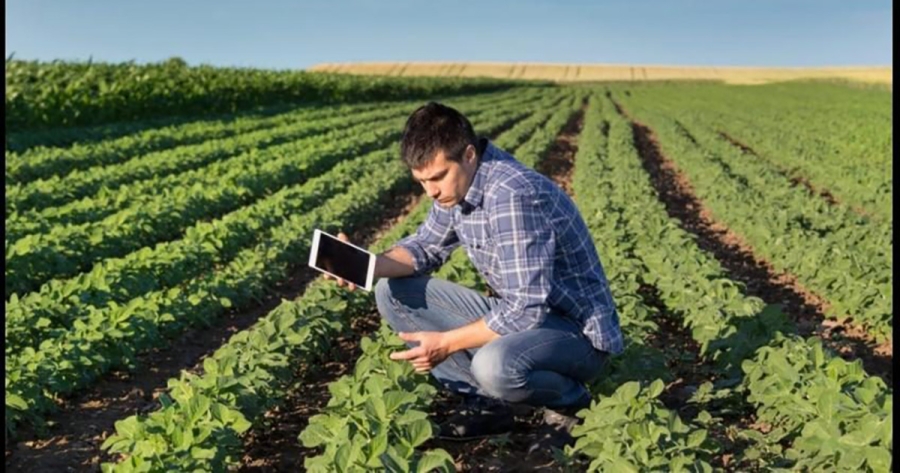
(433, 241)
(525, 243)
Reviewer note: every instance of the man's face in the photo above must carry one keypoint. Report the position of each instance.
(445, 180)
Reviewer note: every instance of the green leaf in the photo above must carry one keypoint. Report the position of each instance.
(696, 438)
(16, 402)
(315, 434)
(628, 390)
(418, 432)
(203, 453)
(656, 388)
(878, 459)
(342, 457)
(620, 465)
(435, 460)
(377, 446)
(393, 462)
(240, 424)
(210, 366)
(128, 428)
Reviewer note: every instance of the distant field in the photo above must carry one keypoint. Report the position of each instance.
(610, 72)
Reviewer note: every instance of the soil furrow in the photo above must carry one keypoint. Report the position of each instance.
(85, 421)
(793, 177)
(741, 264)
(559, 163)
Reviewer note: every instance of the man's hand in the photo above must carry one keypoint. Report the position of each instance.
(430, 352)
(340, 282)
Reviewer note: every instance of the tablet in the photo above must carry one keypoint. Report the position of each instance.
(341, 259)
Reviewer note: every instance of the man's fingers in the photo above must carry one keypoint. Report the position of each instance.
(410, 354)
(343, 237)
(409, 336)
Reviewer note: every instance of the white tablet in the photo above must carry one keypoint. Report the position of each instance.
(341, 259)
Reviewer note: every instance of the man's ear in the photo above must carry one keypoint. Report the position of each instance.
(470, 153)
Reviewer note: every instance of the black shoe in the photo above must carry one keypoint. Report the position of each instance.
(477, 417)
(556, 432)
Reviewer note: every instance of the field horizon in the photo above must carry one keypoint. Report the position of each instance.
(586, 72)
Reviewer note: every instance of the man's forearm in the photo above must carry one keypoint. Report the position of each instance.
(473, 335)
(394, 263)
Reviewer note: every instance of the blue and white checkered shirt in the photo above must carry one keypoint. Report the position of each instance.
(528, 240)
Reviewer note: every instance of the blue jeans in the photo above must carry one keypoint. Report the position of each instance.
(544, 366)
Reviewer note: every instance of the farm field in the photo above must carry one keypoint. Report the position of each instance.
(160, 315)
(610, 72)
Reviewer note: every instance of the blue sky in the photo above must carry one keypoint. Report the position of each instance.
(299, 34)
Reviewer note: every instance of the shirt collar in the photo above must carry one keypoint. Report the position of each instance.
(475, 194)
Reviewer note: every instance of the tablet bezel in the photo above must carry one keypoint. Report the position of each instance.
(370, 271)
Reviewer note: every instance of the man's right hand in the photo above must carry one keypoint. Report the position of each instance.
(340, 282)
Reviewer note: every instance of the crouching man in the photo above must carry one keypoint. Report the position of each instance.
(554, 322)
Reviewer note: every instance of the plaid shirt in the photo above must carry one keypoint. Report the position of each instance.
(528, 240)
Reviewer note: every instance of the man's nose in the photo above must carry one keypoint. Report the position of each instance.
(432, 190)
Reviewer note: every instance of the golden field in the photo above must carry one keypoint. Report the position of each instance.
(610, 72)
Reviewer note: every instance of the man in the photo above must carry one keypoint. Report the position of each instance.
(554, 323)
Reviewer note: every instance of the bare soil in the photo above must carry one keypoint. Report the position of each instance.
(559, 163)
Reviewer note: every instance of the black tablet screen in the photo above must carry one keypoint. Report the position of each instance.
(342, 260)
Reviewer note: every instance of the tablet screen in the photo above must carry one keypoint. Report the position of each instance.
(342, 260)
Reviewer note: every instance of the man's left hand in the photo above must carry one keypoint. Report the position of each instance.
(430, 352)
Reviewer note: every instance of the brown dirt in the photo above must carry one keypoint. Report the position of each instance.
(741, 264)
(559, 162)
(502, 453)
(86, 420)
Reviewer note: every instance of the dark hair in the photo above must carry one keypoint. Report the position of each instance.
(434, 127)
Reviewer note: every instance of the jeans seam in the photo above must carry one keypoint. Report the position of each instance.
(528, 350)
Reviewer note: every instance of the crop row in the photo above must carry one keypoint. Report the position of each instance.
(205, 193)
(40, 316)
(115, 281)
(843, 258)
(46, 162)
(837, 138)
(41, 95)
(72, 356)
(262, 387)
(735, 334)
(59, 190)
(108, 201)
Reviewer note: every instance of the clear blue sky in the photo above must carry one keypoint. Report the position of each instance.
(299, 34)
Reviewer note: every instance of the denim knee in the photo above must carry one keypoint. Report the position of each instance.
(383, 298)
(496, 375)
